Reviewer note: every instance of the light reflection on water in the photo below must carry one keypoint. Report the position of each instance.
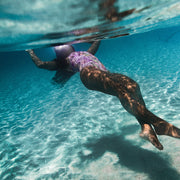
(32, 24)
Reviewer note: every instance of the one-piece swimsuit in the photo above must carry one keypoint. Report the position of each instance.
(81, 59)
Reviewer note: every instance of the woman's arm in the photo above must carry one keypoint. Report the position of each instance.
(94, 47)
(49, 65)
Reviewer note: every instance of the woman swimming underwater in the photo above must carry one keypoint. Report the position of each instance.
(95, 76)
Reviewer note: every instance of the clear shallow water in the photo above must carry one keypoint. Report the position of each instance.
(49, 132)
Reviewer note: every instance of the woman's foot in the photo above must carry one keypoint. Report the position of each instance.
(148, 133)
(164, 128)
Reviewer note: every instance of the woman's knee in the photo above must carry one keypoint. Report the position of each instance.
(133, 87)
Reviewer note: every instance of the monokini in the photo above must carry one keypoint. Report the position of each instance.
(81, 59)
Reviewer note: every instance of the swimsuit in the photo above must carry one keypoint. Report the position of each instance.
(81, 59)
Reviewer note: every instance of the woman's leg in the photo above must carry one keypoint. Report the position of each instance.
(128, 91)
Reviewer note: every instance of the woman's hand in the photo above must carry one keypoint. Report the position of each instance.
(30, 51)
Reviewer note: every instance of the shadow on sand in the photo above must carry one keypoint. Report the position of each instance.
(132, 157)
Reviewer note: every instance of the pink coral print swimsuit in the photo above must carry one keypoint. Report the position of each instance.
(81, 59)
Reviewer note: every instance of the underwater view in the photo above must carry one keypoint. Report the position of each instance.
(65, 131)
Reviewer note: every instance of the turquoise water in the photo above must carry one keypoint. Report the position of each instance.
(49, 132)
(53, 132)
